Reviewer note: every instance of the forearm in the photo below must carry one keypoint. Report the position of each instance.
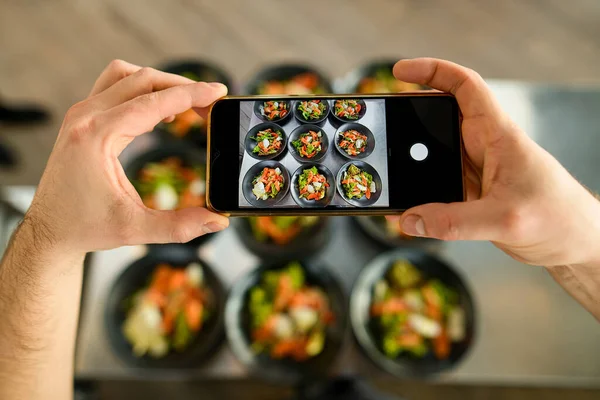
(40, 287)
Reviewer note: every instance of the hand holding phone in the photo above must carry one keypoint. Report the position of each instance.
(337, 155)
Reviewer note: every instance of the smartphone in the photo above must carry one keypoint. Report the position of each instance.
(333, 155)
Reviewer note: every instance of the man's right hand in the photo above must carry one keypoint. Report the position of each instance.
(518, 195)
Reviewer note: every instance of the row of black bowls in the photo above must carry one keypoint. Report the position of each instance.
(250, 143)
(209, 71)
(292, 182)
(294, 106)
(232, 317)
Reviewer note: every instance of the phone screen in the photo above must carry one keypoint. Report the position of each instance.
(349, 154)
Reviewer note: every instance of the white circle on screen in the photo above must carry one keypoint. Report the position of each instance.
(419, 152)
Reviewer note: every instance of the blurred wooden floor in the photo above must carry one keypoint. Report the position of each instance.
(52, 51)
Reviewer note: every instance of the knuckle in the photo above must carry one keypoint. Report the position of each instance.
(75, 110)
(80, 128)
(448, 228)
(515, 222)
(146, 72)
(117, 65)
(181, 234)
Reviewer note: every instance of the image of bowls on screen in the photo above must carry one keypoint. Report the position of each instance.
(265, 141)
(166, 310)
(170, 177)
(412, 313)
(377, 77)
(278, 237)
(190, 125)
(287, 79)
(359, 184)
(389, 233)
(286, 320)
(279, 111)
(354, 141)
(308, 143)
(311, 111)
(266, 183)
(313, 185)
(348, 110)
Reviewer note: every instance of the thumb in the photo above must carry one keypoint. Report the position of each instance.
(178, 226)
(474, 220)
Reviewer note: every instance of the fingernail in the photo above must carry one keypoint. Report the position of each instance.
(413, 225)
(212, 227)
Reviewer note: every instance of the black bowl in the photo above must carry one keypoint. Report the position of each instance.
(363, 201)
(309, 241)
(255, 170)
(376, 229)
(196, 70)
(301, 119)
(360, 128)
(342, 120)
(353, 79)
(199, 70)
(285, 371)
(280, 121)
(134, 278)
(304, 129)
(249, 143)
(284, 72)
(329, 194)
(189, 156)
(364, 327)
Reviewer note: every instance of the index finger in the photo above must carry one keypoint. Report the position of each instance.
(472, 93)
(114, 72)
(142, 113)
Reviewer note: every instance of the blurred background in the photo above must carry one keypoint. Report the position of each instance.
(524, 338)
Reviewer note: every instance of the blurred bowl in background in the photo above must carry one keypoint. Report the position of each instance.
(246, 304)
(170, 176)
(403, 330)
(376, 77)
(136, 278)
(286, 79)
(389, 233)
(280, 237)
(189, 125)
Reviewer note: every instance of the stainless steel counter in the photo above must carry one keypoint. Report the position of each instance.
(529, 330)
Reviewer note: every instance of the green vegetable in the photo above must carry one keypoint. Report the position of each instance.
(258, 234)
(390, 346)
(260, 306)
(419, 350)
(296, 273)
(392, 323)
(191, 75)
(354, 177)
(315, 343)
(285, 222)
(448, 297)
(403, 274)
(182, 335)
(307, 222)
(163, 175)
